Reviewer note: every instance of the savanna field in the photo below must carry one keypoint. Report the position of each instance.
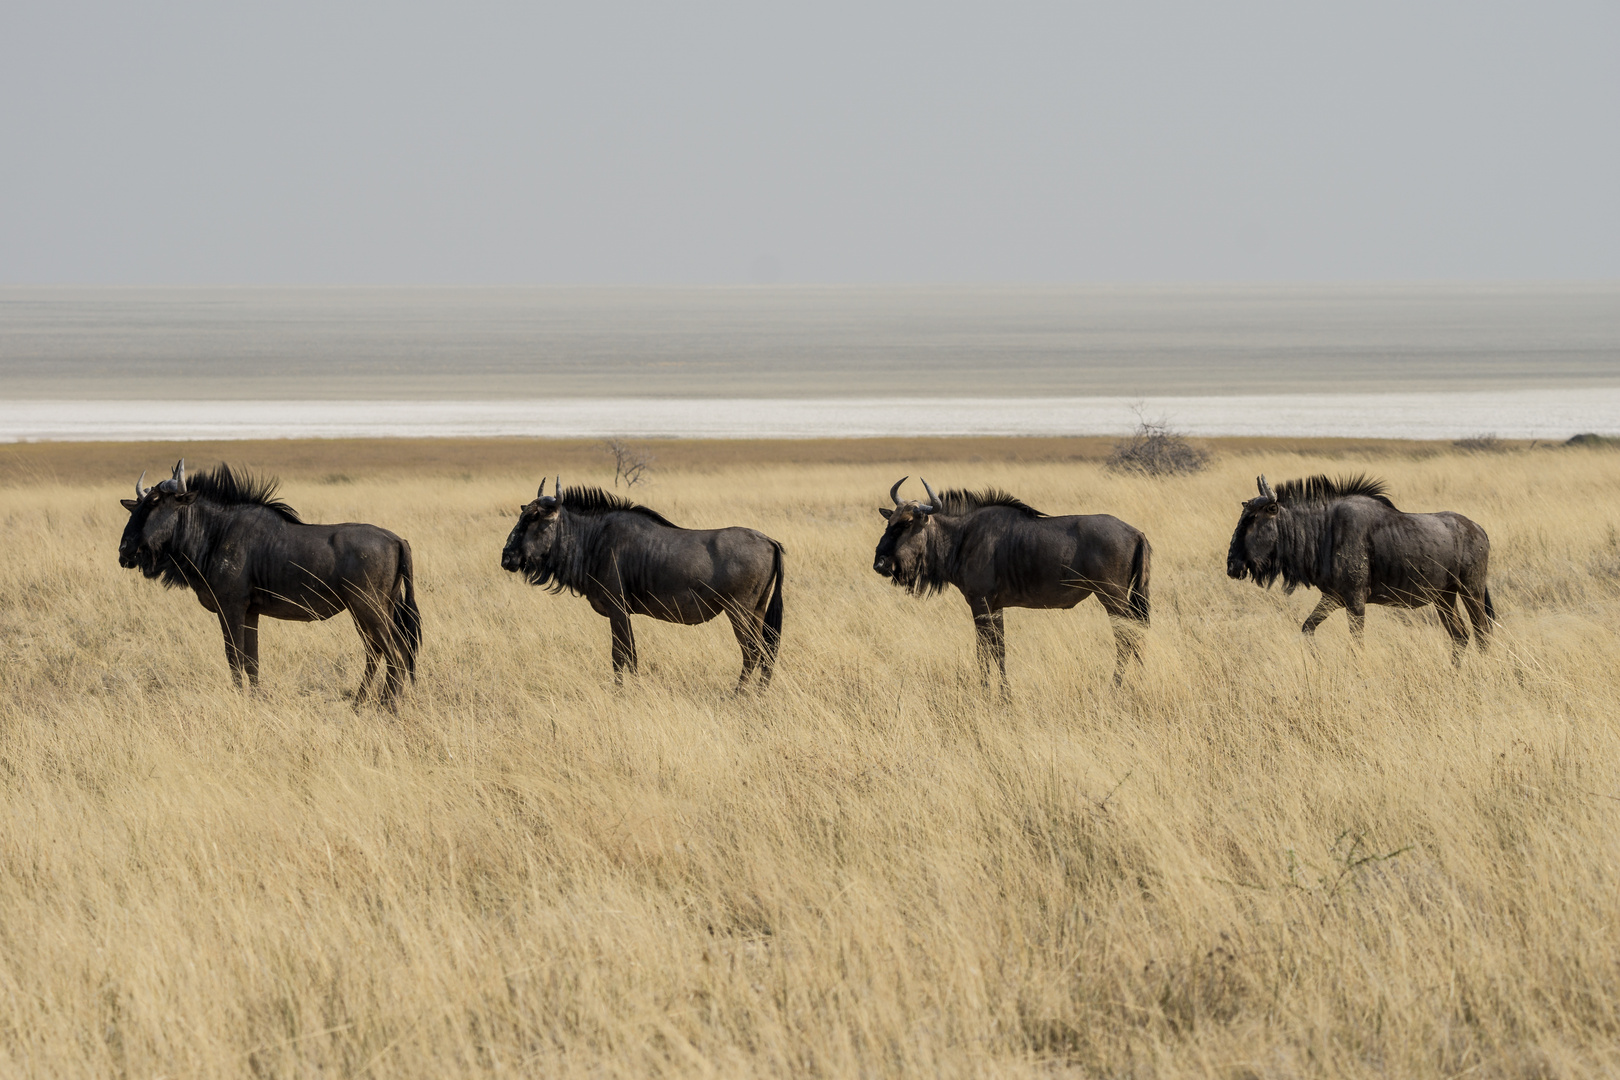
(1259, 858)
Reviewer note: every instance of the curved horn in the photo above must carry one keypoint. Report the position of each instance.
(933, 500)
(180, 476)
(1265, 489)
(542, 492)
(558, 493)
(140, 492)
(894, 492)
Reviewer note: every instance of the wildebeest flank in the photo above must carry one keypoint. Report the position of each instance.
(245, 553)
(1002, 553)
(628, 560)
(1345, 538)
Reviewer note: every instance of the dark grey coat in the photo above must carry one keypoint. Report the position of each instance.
(1345, 538)
(628, 560)
(1000, 553)
(245, 553)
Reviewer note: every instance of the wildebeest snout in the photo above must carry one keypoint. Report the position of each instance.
(1234, 568)
(131, 555)
(511, 559)
(883, 565)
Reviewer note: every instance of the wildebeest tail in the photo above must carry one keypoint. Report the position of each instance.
(407, 617)
(773, 611)
(1141, 571)
(1490, 608)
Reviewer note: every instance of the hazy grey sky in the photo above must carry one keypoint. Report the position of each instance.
(403, 142)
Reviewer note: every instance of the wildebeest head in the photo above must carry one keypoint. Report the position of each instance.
(154, 515)
(900, 553)
(528, 548)
(1254, 542)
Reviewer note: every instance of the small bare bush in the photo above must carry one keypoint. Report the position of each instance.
(630, 463)
(1154, 449)
(1484, 443)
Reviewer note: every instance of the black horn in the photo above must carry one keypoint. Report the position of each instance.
(933, 500)
(140, 492)
(1265, 488)
(894, 492)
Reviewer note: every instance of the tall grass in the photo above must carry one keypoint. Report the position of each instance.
(1259, 858)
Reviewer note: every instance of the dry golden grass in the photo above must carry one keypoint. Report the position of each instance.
(1258, 858)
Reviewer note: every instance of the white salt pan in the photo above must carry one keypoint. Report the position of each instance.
(1519, 414)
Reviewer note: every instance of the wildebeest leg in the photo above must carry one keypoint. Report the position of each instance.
(1127, 626)
(373, 627)
(1356, 608)
(767, 646)
(624, 645)
(231, 624)
(1324, 607)
(1452, 620)
(992, 645)
(396, 672)
(371, 669)
(391, 647)
(1127, 646)
(747, 626)
(250, 646)
(1479, 615)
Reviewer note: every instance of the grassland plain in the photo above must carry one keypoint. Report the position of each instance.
(1259, 858)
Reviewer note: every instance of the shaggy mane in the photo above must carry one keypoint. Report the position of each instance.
(229, 487)
(962, 501)
(594, 501)
(1324, 488)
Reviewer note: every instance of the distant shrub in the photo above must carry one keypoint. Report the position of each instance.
(1587, 438)
(1154, 449)
(630, 463)
(1486, 443)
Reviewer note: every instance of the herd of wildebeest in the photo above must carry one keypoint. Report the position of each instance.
(226, 536)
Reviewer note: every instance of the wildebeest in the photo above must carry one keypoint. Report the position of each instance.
(1001, 553)
(628, 560)
(245, 553)
(1345, 538)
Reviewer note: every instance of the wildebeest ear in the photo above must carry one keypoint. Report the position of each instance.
(186, 498)
(884, 510)
(130, 504)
